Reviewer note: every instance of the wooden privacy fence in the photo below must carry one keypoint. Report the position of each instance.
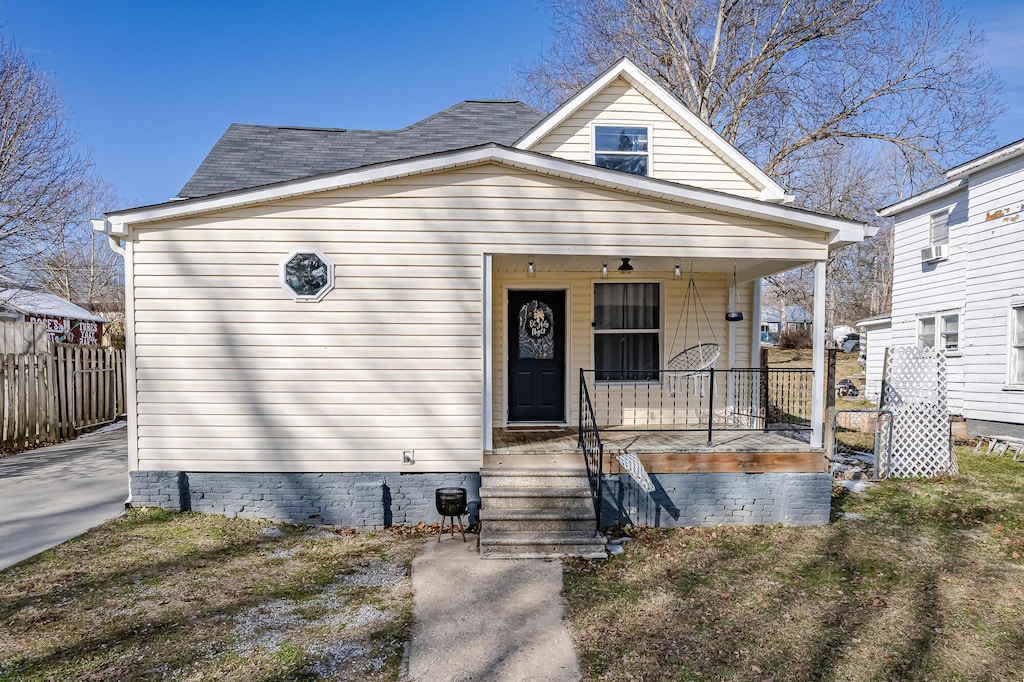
(47, 397)
(23, 337)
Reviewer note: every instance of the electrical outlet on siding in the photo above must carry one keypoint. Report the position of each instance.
(408, 456)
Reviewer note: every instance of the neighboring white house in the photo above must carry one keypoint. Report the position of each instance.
(332, 313)
(876, 338)
(958, 283)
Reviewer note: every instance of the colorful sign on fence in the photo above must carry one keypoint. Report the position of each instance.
(68, 330)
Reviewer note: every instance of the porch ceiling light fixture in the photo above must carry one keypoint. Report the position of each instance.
(677, 273)
(625, 268)
(604, 269)
(530, 270)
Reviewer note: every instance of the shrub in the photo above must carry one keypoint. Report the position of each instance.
(794, 339)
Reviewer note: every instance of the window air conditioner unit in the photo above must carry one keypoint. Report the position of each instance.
(935, 252)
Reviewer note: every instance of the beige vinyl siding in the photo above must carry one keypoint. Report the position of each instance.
(713, 290)
(232, 375)
(676, 154)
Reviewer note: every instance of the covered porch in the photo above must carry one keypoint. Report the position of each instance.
(614, 330)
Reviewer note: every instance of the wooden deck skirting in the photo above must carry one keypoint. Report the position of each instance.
(725, 462)
(664, 452)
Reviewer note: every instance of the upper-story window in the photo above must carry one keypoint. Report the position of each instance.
(939, 227)
(622, 148)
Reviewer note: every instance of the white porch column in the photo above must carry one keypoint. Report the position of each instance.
(486, 283)
(818, 332)
(730, 404)
(755, 322)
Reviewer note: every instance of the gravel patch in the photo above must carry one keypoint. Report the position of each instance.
(374, 573)
(272, 532)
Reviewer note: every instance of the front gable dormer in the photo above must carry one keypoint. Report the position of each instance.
(664, 138)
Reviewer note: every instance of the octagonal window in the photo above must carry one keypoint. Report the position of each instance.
(307, 275)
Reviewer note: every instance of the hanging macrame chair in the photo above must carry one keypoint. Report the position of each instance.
(699, 357)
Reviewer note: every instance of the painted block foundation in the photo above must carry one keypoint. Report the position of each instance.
(793, 499)
(364, 500)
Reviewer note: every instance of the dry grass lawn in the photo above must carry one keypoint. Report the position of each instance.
(159, 595)
(917, 580)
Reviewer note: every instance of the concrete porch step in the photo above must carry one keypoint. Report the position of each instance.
(535, 478)
(549, 545)
(536, 520)
(507, 497)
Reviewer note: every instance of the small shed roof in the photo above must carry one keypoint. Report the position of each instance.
(794, 313)
(43, 304)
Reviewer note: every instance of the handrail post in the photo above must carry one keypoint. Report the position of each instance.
(579, 414)
(711, 403)
(600, 485)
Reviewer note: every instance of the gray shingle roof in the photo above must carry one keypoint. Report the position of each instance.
(251, 155)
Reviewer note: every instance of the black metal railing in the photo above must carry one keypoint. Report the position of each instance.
(755, 399)
(593, 450)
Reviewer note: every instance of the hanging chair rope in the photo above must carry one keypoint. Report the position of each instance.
(702, 355)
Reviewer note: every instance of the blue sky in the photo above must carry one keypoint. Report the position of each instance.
(151, 86)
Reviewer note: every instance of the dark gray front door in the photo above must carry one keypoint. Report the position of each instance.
(536, 363)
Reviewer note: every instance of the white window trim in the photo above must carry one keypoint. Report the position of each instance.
(1011, 367)
(931, 227)
(303, 298)
(619, 124)
(595, 331)
(937, 317)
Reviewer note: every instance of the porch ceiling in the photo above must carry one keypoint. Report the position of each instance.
(747, 268)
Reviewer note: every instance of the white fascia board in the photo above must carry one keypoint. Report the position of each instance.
(840, 230)
(770, 190)
(922, 198)
(872, 322)
(1010, 151)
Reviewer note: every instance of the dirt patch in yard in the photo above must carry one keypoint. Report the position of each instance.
(159, 595)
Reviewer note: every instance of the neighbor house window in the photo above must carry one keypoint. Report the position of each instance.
(1017, 344)
(622, 148)
(939, 331)
(307, 275)
(939, 227)
(627, 331)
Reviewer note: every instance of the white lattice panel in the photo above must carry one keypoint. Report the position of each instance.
(914, 390)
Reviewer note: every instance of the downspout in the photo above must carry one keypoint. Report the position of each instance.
(115, 243)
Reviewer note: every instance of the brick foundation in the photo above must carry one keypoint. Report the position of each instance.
(803, 499)
(359, 500)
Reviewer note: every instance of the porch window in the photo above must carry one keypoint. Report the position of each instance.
(939, 331)
(627, 331)
(622, 148)
(1017, 344)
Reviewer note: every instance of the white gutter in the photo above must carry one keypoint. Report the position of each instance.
(113, 241)
(838, 229)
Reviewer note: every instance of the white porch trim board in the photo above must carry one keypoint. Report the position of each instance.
(818, 349)
(488, 321)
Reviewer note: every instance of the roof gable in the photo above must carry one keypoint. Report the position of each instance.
(251, 155)
(582, 107)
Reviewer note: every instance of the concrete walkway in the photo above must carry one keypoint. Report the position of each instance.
(54, 493)
(487, 619)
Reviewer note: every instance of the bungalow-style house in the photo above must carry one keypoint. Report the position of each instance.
(65, 322)
(327, 325)
(958, 285)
